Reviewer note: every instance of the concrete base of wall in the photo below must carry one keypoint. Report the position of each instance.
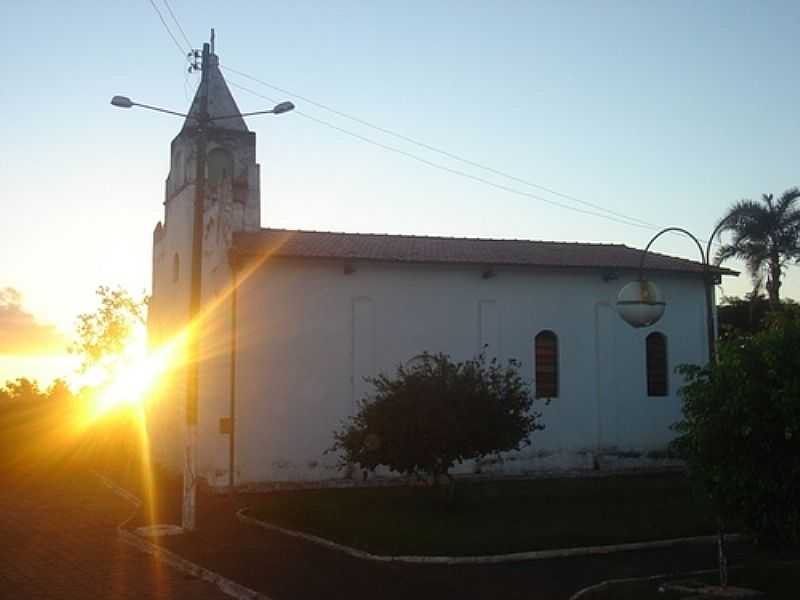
(556, 465)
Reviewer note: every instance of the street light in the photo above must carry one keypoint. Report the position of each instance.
(640, 303)
(204, 121)
(278, 109)
(121, 101)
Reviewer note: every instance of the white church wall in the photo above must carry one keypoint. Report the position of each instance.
(232, 204)
(304, 326)
(214, 370)
(168, 313)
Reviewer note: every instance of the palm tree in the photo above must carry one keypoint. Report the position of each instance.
(766, 236)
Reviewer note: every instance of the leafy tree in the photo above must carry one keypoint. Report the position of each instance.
(59, 391)
(26, 392)
(22, 391)
(103, 334)
(435, 412)
(29, 418)
(740, 432)
(765, 236)
(751, 314)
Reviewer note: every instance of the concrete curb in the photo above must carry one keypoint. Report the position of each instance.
(609, 582)
(119, 491)
(481, 560)
(227, 586)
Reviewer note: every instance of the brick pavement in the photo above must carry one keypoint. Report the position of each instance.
(58, 540)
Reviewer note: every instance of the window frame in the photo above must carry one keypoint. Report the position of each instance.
(547, 377)
(656, 374)
(176, 268)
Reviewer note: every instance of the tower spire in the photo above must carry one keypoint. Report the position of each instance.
(213, 99)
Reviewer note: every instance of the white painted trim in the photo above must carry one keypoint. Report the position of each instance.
(481, 560)
(609, 582)
(227, 586)
(119, 491)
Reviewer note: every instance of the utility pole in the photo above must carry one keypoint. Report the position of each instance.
(201, 129)
(188, 518)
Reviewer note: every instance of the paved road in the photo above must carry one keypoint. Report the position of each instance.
(58, 540)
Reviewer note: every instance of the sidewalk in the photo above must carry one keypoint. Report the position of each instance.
(58, 540)
(286, 568)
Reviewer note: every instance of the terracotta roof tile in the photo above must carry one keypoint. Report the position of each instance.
(285, 243)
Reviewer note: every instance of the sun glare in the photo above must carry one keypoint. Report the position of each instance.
(130, 380)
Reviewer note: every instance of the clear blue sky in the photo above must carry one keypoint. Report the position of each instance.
(665, 111)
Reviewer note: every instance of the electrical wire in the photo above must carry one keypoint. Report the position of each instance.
(607, 214)
(622, 220)
(174, 18)
(169, 31)
(442, 151)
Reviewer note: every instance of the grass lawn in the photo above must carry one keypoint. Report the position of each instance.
(494, 517)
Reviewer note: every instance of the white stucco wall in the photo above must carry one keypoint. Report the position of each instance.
(168, 314)
(308, 333)
(231, 204)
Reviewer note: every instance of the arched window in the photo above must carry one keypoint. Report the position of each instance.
(178, 166)
(176, 267)
(657, 371)
(220, 165)
(546, 356)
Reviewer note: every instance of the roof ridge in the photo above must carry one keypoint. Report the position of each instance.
(443, 237)
(457, 250)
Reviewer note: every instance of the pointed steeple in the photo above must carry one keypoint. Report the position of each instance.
(213, 96)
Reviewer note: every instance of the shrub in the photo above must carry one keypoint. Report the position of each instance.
(435, 412)
(740, 434)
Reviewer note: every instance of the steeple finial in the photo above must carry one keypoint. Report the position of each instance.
(213, 99)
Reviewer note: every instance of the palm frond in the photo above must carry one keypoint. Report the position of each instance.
(740, 214)
(787, 200)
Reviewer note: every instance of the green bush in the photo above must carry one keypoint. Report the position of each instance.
(435, 412)
(740, 434)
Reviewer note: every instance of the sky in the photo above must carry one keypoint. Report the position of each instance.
(662, 112)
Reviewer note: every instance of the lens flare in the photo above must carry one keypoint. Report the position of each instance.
(131, 379)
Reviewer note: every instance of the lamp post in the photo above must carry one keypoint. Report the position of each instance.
(640, 304)
(204, 122)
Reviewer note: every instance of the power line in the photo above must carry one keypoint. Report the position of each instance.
(174, 18)
(623, 220)
(166, 27)
(442, 151)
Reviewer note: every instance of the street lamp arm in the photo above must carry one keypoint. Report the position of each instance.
(278, 109)
(675, 229)
(250, 114)
(707, 281)
(125, 102)
(163, 110)
(714, 233)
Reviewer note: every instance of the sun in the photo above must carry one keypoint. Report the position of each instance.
(130, 378)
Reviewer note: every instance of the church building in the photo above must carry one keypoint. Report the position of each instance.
(292, 322)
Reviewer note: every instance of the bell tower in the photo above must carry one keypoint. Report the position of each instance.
(212, 191)
(213, 166)
(214, 125)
